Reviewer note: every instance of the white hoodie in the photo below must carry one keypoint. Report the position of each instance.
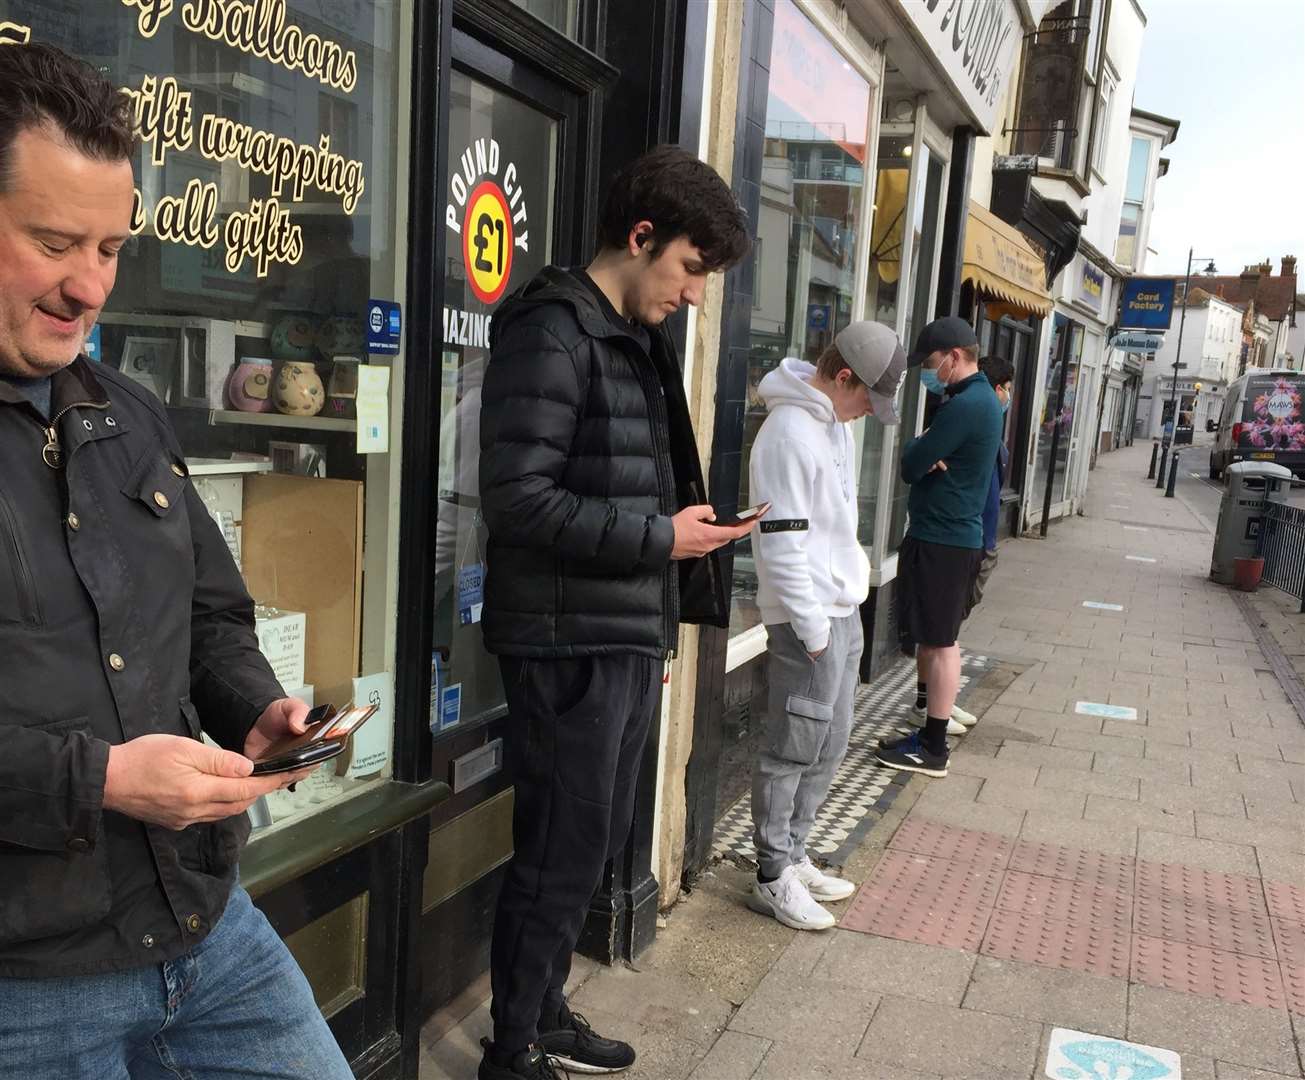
(810, 566)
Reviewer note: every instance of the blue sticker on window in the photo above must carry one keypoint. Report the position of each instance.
(450, 706)
(92, 346)
(471, 593)
(384, 327)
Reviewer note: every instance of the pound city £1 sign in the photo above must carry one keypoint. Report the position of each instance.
(487, 212)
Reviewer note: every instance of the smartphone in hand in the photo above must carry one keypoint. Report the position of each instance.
(743, 517)
(327, 736)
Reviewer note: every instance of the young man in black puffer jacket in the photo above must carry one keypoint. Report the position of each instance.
(599, 546)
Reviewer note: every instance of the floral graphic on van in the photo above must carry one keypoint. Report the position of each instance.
(1276, 424)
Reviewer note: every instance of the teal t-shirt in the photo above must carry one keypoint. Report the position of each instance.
(947, 507)
(37, 391)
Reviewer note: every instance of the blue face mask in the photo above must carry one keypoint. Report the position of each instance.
(929, 378)
(1005, 406)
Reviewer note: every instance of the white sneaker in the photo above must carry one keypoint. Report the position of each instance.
(820, 885)
(955, 725)
(787, 901)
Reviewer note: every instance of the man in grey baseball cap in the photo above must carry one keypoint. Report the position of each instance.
(812, 576)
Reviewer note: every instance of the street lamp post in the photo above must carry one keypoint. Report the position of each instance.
(1167, 440)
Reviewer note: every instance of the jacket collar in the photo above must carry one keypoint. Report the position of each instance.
(73, 385)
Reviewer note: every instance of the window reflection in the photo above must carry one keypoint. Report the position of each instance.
(813, 175)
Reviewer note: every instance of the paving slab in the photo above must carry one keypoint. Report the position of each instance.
(817, 1013)
(904, 968)
(1060, 998)
(790, 1060)
(1246, 1034)
(952, 1042)
(1207, 854)
(734, 1056)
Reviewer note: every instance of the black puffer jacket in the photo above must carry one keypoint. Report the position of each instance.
(586, 453)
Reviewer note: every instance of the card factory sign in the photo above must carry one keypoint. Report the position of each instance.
(976, 42)
(262, 232)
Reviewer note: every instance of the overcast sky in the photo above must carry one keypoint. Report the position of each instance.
(1233, 72)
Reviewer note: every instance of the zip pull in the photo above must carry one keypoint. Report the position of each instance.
(52, 452)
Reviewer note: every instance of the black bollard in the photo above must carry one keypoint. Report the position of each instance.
(1155, 450)
(1173, 476)
(1164, 460)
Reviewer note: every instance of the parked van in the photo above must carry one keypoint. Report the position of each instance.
(1261, 421)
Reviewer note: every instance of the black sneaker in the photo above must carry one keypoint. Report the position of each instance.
(577, 1048)
(910, 755)
(531, 1064)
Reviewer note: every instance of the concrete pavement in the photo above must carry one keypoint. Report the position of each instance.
(1118, 850)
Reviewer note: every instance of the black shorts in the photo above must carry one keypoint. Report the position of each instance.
(934, 587)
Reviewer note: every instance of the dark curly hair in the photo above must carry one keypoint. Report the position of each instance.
(681, 196)
(40, 84)
(998, 369)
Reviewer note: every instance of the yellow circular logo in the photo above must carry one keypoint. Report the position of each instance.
(487, 242)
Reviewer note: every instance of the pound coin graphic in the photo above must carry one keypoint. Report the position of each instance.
(487, 242)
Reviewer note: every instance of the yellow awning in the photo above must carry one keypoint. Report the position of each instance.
(1002, 264)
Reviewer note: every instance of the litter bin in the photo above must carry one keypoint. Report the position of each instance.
(1249, 485)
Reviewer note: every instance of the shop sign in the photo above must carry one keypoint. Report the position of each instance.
(976, 42)
(1146, 304)
(1137, 343)
(1091, 286)
(487, 213)
(264, 232)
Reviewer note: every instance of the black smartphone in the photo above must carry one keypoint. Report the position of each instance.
(327, 736)
(743, 517)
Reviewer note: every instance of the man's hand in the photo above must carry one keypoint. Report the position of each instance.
(817, 655)
(695, 535)
(937, 466)
(283, 717)
(173, 781)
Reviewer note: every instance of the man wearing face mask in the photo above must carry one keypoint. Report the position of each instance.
(949, 469)
(1000, 372)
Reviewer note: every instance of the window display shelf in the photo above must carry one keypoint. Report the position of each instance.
(225, 467)
(304, 423)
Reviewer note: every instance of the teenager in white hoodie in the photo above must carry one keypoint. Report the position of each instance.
(812, 576)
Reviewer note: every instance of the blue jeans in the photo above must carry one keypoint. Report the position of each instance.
(236, 1005)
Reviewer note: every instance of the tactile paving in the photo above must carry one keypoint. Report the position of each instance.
(1216, 973)
(947, 842)
(1070, 946)
(1211, 926)
(931, 901)
(1164, 881)
(1286, 902)
(1058, 899)
(1291, 943)
(1114, 873)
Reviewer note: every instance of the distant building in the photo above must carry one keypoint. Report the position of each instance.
(1260, 291)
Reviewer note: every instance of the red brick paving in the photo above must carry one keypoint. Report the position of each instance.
(1224, 936)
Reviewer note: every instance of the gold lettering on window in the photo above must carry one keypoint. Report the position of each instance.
(151, 14)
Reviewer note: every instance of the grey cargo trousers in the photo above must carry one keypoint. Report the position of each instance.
(807, 726)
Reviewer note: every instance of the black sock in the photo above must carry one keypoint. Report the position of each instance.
(761, 877)
(921, 695)
(934, 735)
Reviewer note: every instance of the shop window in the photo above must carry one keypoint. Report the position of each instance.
(1065, 353)
(929, 178)
(813, 171)
(1051, 86)
(561, 15)
(268, 237)
(502, 165)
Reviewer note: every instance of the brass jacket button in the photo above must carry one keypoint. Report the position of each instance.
(192, 924)
(74, 522)
(161, 500)
(78, 843)
(148, 941)
(178, 469)
(116, 662)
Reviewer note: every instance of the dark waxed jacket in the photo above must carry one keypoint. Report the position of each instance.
(121, 614)
(586, 452)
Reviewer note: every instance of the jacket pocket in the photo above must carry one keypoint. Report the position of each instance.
(158, 482)
(18, 599)
(52, 893)
(798, 734)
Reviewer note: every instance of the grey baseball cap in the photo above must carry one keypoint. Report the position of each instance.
(874, 353)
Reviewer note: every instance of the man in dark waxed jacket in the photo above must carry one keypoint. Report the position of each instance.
(599, 546)
(126, 947)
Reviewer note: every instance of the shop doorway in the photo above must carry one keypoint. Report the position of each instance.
(518, 158)
(1014, 339)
